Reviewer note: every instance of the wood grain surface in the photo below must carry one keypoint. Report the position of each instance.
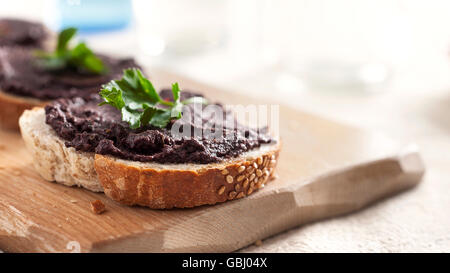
(325, 169)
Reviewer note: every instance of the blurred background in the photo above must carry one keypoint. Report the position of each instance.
(369, 63)
(325, 48)
(382, 65)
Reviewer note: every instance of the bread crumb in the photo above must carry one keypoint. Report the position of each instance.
(97, 207)
(73, 201)
(258, 243)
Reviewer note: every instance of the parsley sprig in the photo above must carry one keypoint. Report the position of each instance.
(140, 104)
(79, 57)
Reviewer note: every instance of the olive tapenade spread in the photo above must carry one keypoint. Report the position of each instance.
(19, 75)
(90, 128)
(14, 32)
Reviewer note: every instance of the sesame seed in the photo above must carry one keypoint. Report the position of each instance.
(259, 160)
(266, 172)
(273, 162)
(259, 173)
(225, 172)
(221, 190)
(256, 180)
(229, 179)
(250, 169)
(240, 195)
(255, 165)
(241, 169)
(237, 187)
(245, 184)
(252, 185)
(250, 190)
(272, 157)
(252, 177)
(232, 194)
(240, 178)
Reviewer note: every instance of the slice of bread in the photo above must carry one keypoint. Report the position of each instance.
(12, 106)
(154, 185)
(51, 158)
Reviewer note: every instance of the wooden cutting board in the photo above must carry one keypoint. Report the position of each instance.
(325, 169)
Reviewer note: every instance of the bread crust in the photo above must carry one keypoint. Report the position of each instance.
(51, 158)
(137, 184)
(12, 106)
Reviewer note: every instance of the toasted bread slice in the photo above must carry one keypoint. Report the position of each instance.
(150, 184)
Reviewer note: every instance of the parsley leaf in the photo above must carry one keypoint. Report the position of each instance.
(140, 104)
(64, 37)
(80, 57)
(178, 106)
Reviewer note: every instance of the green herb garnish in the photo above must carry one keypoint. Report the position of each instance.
(79, 57)
(140, 104)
